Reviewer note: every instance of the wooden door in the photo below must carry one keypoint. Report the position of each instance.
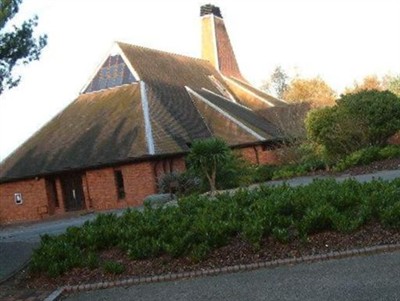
(74, 197)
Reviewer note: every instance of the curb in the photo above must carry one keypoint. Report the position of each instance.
(55, 295)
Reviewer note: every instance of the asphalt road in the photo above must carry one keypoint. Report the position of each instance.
(32, 232)
(364, 278)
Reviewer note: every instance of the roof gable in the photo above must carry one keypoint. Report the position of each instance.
(176, 100)
(113, 73)
(97, 128)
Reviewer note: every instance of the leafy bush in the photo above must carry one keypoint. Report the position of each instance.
(389, 152)
(263, 173)
(366, 118)
(55, 256)
(216, 164)
(380, 110)
(201, 224)
(179, 183)
(113, 267)
(368, 155)
(360, 157)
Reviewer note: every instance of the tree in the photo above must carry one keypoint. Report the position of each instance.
(380, 110)
(370, 82)
(392, 83)
(336, 131)
(277, 83)
(208, 157)
(361, 119)
(18, 45)
(314, 91)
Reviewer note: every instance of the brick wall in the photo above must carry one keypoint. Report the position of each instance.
(100, 189)
(258, 155)
(139, 181)
(34, 206)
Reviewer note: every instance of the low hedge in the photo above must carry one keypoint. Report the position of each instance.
(200, 224)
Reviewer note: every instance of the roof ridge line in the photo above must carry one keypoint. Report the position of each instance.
(147, 120)
(254, 87)
(223, 97)
(226, 114)
(249, 91)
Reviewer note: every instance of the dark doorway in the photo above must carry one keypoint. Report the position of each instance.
(74, 197)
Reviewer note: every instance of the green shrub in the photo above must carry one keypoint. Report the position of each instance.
(113, 267)
(317, 219)
(55, 256)
(389, 152)
(201, 224)
(179, 183)
(360, 157)
(263, 173)
(359, 120)
(391, 216)
(92, 261)
(368, 155)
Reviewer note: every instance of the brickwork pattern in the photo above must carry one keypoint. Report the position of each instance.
(33, 207)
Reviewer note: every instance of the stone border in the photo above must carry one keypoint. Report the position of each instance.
(217, 271)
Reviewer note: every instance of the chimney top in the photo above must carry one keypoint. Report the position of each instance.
(210, 9)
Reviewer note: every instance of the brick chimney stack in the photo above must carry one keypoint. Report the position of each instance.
(216, 46)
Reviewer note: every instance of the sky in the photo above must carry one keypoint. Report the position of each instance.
(339, 40)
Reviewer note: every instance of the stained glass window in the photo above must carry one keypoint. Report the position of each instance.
(113, 73)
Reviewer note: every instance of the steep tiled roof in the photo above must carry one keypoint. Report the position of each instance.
(272, 100)
(97, 128)
(175, 102)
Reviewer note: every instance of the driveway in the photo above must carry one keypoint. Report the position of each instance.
(358, 278)
(17, 242)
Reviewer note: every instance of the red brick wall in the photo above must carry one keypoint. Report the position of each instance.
(34, 206)
(101, 190)
(256, 155)
(139, 182)
(164, 166)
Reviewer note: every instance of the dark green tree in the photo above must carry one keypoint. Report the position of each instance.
(18, 44)
(210, 158)
(380, 111)
(358, 120)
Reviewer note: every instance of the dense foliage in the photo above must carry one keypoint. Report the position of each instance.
(18, 45)
(358, 120)
(215, 164)
(314, 91)
(200, 224)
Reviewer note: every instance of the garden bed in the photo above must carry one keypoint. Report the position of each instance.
(238, 251)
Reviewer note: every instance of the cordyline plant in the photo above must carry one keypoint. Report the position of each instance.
(207, 157)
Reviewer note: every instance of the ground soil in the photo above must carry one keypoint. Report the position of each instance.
(238, 251)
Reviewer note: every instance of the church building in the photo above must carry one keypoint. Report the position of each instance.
(134, 121)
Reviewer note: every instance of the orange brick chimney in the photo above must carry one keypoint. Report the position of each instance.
(216, 46)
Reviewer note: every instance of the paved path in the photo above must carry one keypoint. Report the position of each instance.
(387, 175)
(17, 242)
(359, 278)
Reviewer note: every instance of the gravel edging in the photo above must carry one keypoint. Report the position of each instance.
(65, 290)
